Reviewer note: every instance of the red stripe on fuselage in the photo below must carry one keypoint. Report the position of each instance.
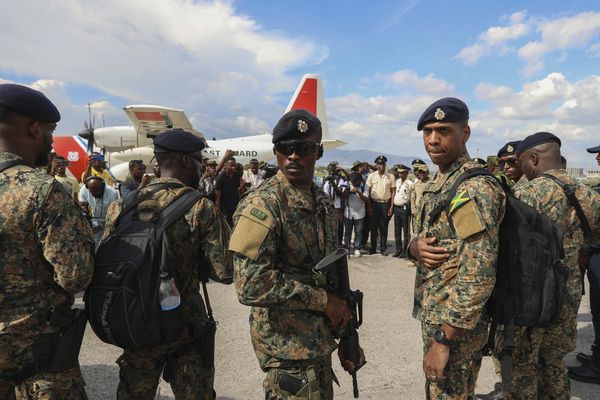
(307, 97)
(72, 151)
(149, 116)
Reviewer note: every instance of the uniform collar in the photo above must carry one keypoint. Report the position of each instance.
(158, 181)
(6, 156)
(439, 180)
(298, 198)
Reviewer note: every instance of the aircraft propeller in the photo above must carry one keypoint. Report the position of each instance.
(88, 132)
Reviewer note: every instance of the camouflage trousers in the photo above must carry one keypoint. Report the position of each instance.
(140, 371)
(66, 385)
(538, 369)
(300, 381)
(463, 365)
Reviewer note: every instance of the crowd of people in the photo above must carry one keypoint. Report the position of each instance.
(265, 231)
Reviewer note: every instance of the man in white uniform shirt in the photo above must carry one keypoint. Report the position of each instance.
(252, 178)
(404, 187)
(382, 186)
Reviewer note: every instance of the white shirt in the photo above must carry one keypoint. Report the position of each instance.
(355, 207)
(99, 206)
(402, 196)
(253, 179)
(329, 189)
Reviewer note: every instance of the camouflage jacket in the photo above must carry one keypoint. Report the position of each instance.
(201, 232)
(456, 292)
(416, 195)
(281, 233)
(45, 254)
(548, 198)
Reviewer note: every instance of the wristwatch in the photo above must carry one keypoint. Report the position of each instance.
(441, 337)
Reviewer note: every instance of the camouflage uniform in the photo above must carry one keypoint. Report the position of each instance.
(45, 258)
(281, 233)
(538, 367)
(415, 199)
(202, 230)
(456, 292)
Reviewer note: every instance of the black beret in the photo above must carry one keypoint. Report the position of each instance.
(296, 125)
(418, 161)
(594, 149)
(381, 160)
(448, 109)
(178, 141)
(535, 140)
(509, 148)
(29, 102)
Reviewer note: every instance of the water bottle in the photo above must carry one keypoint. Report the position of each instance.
(167, 293)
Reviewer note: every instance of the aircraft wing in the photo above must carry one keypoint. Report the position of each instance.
(148, 121)
(329, 144)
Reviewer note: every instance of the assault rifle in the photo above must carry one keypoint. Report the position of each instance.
(331, 273)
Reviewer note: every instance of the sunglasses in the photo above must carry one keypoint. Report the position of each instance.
(300, 147)
(511, 162)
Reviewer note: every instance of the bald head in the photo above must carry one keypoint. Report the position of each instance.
(540, 158)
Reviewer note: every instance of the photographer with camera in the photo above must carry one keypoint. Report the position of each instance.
(335, 185)
(58, 171)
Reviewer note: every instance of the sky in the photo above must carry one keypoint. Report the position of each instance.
(521, 66)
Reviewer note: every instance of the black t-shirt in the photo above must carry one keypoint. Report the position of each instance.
(228, 185)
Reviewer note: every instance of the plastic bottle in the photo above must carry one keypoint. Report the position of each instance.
(167, 293)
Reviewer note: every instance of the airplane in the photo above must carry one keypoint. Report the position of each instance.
(125, 143)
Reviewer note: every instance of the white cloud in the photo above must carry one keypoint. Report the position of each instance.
(495, 39)
(202, 56)
(427, 84)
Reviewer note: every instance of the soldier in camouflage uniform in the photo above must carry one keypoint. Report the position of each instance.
(422, 173)
(509, 163)
(45, 248)
(538, 368)
(282, 230)
(201, 232)
(455, 266)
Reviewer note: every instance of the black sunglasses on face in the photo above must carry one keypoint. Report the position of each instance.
(300, 147)
(511, 162)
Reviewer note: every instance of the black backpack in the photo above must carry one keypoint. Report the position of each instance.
(530, 277)
(122, 301)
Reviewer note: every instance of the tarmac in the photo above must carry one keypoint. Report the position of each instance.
(390, 337)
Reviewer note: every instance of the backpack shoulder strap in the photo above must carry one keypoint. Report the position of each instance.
(572, 198)
(468, 174)
(179, 206)
(133, 199)
(12, 163)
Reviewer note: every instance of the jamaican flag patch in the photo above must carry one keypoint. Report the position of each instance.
(458, 200)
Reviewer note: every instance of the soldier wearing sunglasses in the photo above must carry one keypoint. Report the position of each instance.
(282, 230)
(509, 163)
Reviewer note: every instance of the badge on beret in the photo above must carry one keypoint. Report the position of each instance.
(302, 126)
(510, 149)
(439, 114)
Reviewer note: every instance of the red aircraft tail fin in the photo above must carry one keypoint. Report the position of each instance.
(74, 150)
(309, 96)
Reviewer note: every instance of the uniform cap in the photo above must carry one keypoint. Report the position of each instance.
(253, 161)
(535, 140)
(178, 141)
(418, 161)
(29, 102)
(594, 149)
(357, 164)
(421, 167)
(381, 160)
(448, 109)
(296, 125)
(402, 168)
(480, 161)
(508, 149)
(492, 161)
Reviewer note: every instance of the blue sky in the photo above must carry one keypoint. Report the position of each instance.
(520, 66)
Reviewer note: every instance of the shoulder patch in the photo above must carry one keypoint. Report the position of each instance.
(459, 199)
(465, 215)
(250, 231)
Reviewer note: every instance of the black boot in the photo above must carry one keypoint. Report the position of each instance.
(589, 372)
(495, 394)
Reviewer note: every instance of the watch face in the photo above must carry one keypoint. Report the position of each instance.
(440, 337)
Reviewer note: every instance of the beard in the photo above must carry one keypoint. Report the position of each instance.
(43, 159)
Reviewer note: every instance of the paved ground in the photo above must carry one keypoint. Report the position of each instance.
(390, 337)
